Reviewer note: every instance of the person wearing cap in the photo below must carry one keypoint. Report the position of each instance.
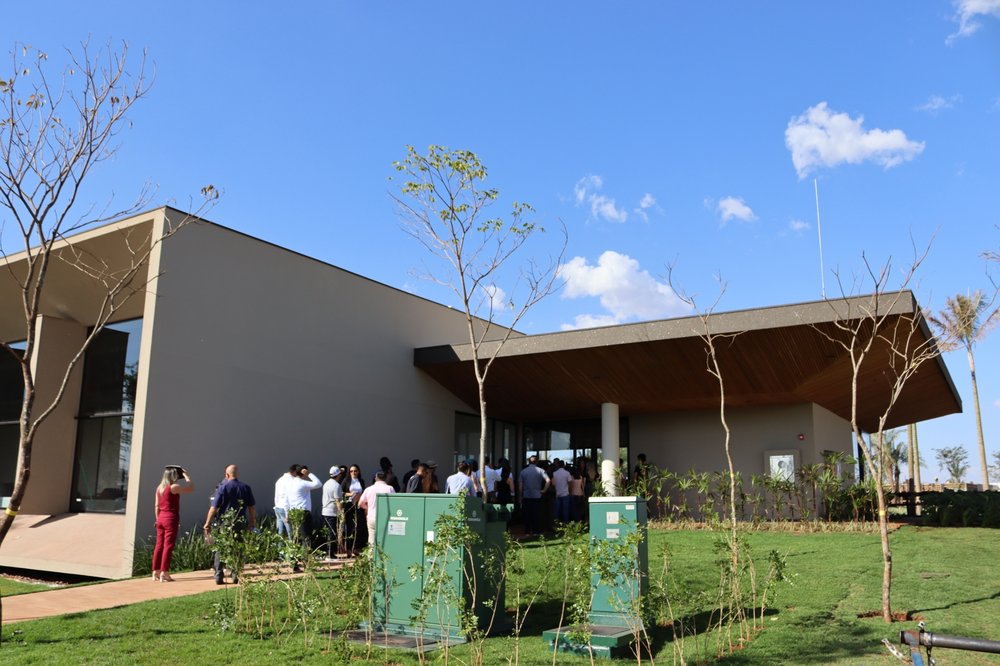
(333, 497)
(431, 483)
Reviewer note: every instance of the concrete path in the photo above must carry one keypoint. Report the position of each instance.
(81, 599)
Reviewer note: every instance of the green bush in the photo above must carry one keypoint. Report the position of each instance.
(969, 508)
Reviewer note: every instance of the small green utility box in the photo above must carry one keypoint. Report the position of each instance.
(618, 546)
(420, 585)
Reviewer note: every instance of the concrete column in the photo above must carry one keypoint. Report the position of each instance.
(56, 342)
(609, 447)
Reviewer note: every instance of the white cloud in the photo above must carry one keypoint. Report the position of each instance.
(648, 201)
(601, 207)
(798, 226)
(821, 137)
(584, 184)
(625, 290)
(935, 104)
(735, 208)
(967, 14)
(497, 296)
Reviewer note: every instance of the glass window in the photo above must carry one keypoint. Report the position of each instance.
(104, 429)
(499, 437)
(11, 385)
(11, 396)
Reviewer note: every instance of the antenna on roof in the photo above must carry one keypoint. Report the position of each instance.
(819, 232)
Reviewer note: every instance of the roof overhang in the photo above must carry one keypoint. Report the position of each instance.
(768, 356)
(79, 271)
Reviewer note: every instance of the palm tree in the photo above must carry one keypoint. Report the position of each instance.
(964, 322)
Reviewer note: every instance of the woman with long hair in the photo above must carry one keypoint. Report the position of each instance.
(167, 509)
(354, 528)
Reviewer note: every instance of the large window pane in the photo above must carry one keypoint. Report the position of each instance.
(9, 435)
(11, 387)
(104, 429)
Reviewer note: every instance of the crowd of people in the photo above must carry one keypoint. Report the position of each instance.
(549, 491)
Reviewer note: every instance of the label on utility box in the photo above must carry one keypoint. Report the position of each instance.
(613, 518)
(397, 528)
(613, 533)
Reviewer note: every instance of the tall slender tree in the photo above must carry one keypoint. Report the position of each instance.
(445, 204)
(963, 323)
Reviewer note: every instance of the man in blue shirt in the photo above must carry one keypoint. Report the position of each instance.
(534, 483)
(459, 481)
(231, 495)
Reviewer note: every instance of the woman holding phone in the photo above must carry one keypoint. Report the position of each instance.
(167, 509)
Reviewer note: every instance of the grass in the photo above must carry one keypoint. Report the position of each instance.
(11, 586)
(946, 576)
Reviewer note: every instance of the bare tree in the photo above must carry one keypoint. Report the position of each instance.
(873, 330)
(54, 129)
(444, 204)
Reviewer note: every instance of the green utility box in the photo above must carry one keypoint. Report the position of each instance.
(618, 547)
(420, 583)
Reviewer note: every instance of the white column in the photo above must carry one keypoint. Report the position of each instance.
(609, 448)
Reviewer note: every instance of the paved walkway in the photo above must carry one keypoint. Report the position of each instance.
(80, 599)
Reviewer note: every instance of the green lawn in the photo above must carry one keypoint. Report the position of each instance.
(947, 576)
(12, 586)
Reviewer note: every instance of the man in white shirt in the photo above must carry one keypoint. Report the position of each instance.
(490, 476)
(369, 500)
(297, 490)
(333, 495)
(281, 501)
(459, 481)
(560, 481)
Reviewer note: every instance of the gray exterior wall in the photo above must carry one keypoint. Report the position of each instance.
(262, 357)
(684, 440)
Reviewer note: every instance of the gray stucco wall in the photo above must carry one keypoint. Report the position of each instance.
(262, 357)
(685, 440)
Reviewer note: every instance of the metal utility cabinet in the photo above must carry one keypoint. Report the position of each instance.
(613, 620)
(410, 577)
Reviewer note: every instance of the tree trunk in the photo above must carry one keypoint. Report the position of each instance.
(916, 457)
(979, 422)
(883, 531)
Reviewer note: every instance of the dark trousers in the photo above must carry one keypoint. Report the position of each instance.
(217, 564)
(564, 508)
(532, 510)
(333, 537)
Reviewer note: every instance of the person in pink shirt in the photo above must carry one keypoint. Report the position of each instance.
(368, 501)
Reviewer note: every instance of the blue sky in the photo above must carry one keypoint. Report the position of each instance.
(684, 134)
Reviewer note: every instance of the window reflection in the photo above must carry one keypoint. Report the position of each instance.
(104, 429)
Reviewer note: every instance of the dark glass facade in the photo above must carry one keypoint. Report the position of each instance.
(11, 395)
(107, 411)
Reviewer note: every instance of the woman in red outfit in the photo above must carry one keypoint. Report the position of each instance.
(168, 518)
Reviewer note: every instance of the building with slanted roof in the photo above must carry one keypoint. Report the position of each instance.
(240, 351)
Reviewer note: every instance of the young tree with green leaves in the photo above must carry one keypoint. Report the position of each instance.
(445, 204)
(964, 322)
